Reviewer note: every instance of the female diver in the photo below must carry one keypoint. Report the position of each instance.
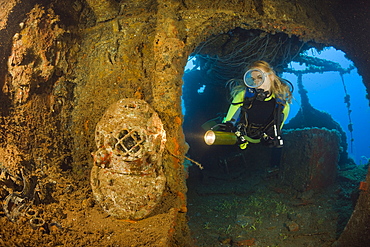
(259, 107)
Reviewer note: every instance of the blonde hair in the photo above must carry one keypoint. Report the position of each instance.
(278, 87)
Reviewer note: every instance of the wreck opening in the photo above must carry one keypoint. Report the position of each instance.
(219, 59)
(235, 184)
(216, 61)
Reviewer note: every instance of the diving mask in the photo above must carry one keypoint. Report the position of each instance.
(254, 78)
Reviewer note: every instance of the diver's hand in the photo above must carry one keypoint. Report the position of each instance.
(228, 127)
(272, 141)
(241, 138)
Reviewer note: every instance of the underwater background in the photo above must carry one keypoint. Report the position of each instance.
(327, 92)
(246, 198)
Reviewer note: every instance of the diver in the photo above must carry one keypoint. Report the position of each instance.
(259, 106)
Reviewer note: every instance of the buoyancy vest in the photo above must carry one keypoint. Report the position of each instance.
(258, 117)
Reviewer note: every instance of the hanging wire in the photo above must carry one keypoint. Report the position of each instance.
(228, 55)
(348, 104)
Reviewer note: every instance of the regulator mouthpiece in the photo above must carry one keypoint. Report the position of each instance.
(220, 138)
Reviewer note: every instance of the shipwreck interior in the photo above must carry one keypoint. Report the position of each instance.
(96, 150)
(233, 180)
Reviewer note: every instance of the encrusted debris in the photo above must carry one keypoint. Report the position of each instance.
(127, 177)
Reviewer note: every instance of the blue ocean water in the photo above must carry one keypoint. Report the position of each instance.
(326, 93)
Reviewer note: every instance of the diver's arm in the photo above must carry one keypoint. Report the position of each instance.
(234, 110)
(285, 113)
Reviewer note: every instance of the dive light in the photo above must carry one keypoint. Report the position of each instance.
(212, 137)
